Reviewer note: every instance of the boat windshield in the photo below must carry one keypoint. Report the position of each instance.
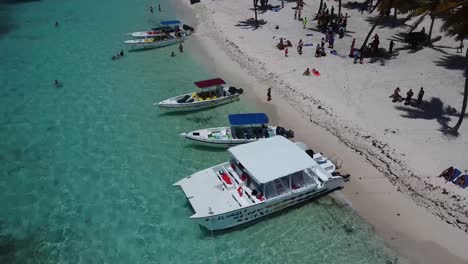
(301, 179)
(284, 185)
(277, 187)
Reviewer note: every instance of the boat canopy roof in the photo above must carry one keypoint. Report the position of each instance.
(209, 83)
(272, 158)
(170, 22)
(248, 119)
(161, 28)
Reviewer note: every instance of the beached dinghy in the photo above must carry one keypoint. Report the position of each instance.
(167, 27)
(244, 128)
(213, 94)
(261, 178)
(157, 41)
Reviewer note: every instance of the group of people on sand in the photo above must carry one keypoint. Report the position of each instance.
(118, 55)
(453, 175)
(330, 22)
(396, 97)
(283, 44)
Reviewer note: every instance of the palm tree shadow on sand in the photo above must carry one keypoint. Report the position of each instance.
(250, 23)
(431, 110)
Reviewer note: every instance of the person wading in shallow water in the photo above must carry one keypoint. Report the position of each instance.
(181, 48)
(269, 94)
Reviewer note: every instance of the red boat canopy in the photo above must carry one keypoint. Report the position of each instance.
(209, 83)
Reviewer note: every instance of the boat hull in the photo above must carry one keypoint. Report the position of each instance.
(200, 137)
(199, 105)
(153, 45)
(258, 211)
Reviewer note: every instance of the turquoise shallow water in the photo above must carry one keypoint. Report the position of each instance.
(86, 169)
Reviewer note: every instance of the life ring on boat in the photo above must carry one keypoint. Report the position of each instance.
(240, 191)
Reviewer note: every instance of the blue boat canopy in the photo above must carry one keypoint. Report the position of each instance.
(248, 119)
(170, 22)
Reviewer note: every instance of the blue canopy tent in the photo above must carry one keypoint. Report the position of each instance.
(248, 119)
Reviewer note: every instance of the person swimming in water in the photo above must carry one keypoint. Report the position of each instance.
(121, 53)
(172, 54)
(56, 23)
(57, 84)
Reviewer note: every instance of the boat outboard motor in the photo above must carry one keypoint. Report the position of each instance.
(234, 90)
(187, 27)
(280, 131)
(289, 134)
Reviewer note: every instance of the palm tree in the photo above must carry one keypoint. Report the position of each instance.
(431, 8)
(255, 2)
(455, 22)
(320, 8)
(339, 8)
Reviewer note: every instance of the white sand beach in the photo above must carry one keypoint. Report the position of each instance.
(393, 152)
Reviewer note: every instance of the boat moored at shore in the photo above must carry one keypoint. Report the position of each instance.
(167, 27)
(261, 178)
(244, 128)
(214, 94)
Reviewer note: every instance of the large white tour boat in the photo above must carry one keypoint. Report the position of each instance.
(261, 178)
(214, 94)
(244, 128)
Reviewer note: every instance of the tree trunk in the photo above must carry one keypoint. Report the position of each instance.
(416, 24)
(465, 98)
(255, 2)
(430, 30)
(370, 33)
(376, 5)
(339, 8)
(320, 8)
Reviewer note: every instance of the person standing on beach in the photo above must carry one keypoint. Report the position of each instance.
(460, 47)
(331, 40)
(269, 94)
(420, 95)
(351, 51)
(305, 22)
(286, 52)
(323, 43)
(409, 94)
(295, 14)
(390, 48)
(299, 47)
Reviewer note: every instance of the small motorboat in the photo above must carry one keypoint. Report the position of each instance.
(259, 179)
(244, 128)
(214, 93)
(156, 41)
(171, 26)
